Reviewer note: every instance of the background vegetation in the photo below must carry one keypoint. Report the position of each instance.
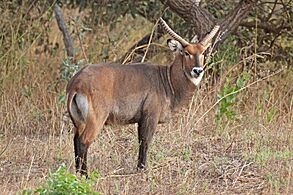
(235, 137)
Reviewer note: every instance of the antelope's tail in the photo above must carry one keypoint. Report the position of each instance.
(78, 108)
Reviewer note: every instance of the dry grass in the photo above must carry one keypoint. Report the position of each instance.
(251, 154)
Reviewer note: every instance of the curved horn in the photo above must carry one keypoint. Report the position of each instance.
(173, 34)
(209, 36)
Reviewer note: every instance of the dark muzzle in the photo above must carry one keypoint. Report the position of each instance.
(196, 71)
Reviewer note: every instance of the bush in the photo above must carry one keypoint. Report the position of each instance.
(64, 182)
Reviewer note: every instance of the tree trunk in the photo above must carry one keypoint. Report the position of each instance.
(202, 22)
(62, 27)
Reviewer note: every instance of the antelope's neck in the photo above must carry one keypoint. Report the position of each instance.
(183, 88)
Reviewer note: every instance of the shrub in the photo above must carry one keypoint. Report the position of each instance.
(64, 182)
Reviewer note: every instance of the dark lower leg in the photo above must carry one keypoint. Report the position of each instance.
(76, 151)
(145, 135)
(80, 150)
(142, 155)
(146, 128)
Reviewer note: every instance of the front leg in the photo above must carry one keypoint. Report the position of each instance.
(146, 129)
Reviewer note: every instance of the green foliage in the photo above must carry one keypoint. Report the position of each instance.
(64, 182)
(266, 155)
(228, 52)
(68, 68)
(186, 154)
(275, 180)
(110, 11)
(271, 114)
(61, 97)
(228, 55)
(228, 96)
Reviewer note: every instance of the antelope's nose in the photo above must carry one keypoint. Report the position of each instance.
(197, 70)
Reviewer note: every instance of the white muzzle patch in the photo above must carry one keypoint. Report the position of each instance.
(196, 75)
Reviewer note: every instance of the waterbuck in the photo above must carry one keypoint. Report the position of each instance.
(142, 93)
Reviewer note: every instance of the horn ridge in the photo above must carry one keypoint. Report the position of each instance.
(210, 36)
(173, 34)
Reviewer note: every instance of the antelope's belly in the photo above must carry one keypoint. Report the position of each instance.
(124, 112)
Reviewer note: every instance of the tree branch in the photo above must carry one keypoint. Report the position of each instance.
(202, 21)
(267, 27)
(139, 53)
(62, 27)
(236, 16)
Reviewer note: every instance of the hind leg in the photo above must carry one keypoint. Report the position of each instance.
(80, 150)
(82, 141)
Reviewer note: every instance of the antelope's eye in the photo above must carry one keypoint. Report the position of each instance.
(187, 54)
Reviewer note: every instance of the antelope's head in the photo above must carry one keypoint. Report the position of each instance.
(192, 54)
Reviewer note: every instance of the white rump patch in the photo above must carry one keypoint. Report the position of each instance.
(80, 107)
(82, 104)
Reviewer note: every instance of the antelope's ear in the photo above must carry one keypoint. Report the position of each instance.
(174, 45)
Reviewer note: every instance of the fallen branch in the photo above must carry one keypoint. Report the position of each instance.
(138, 47)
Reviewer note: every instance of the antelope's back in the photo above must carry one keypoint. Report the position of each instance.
(120, 90)
(132, 78)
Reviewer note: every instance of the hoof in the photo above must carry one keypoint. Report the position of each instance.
(141, 167)
(82, 174)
